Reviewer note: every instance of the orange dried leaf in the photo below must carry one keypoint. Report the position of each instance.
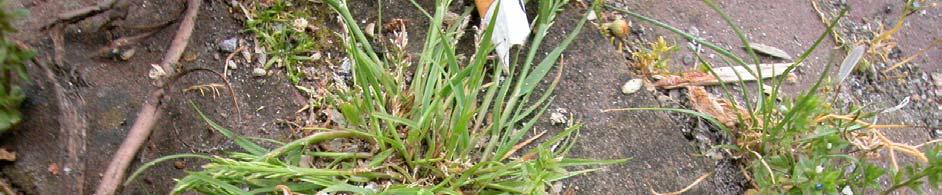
(7, 155)
(705, 102)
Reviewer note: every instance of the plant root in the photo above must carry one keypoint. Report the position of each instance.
(150, 111)
(77, 15)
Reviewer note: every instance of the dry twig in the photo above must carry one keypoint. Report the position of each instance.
(80, 14)
(521, 145)
(681, 191)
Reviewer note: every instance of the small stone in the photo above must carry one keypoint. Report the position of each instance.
(631, 86)
(232, 65)
(179, 164)
(259, 72)
(346, 66)
(316, 56)
(559, 116)
(770, 51)
(370, 29)
(127, 54)
(228, 45)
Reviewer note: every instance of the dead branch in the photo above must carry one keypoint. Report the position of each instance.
(150, 111)
(125, 41)
(80, 14)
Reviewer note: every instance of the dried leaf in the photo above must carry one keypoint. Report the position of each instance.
(770, 51)
(54, 168)
(851, 61)
(726, 75)
(721, 109)
(7, 155)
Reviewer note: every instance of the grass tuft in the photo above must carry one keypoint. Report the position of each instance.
(452, 126)
(806, 146)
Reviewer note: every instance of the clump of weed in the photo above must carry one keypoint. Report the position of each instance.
(283, 31)
(806, 146)
(655, 58)
(12, 59)
(451, 126)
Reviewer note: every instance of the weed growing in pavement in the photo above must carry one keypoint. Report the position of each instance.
(804, 145)
(654, 59)
(453, 126)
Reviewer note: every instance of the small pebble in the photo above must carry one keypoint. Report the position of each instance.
(370, 29)
(559, 116)
(259, 72)
(228, 45)
(127, 54)
(179, 164)
(232, 65)
(631, 86)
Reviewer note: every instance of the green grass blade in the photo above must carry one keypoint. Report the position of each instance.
(246, 145)
(228, 188)
(154, 162)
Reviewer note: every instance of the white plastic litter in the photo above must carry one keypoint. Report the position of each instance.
(510, 28)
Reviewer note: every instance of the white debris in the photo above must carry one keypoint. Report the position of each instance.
(510, 28)
(632, 86)
(559, 116)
